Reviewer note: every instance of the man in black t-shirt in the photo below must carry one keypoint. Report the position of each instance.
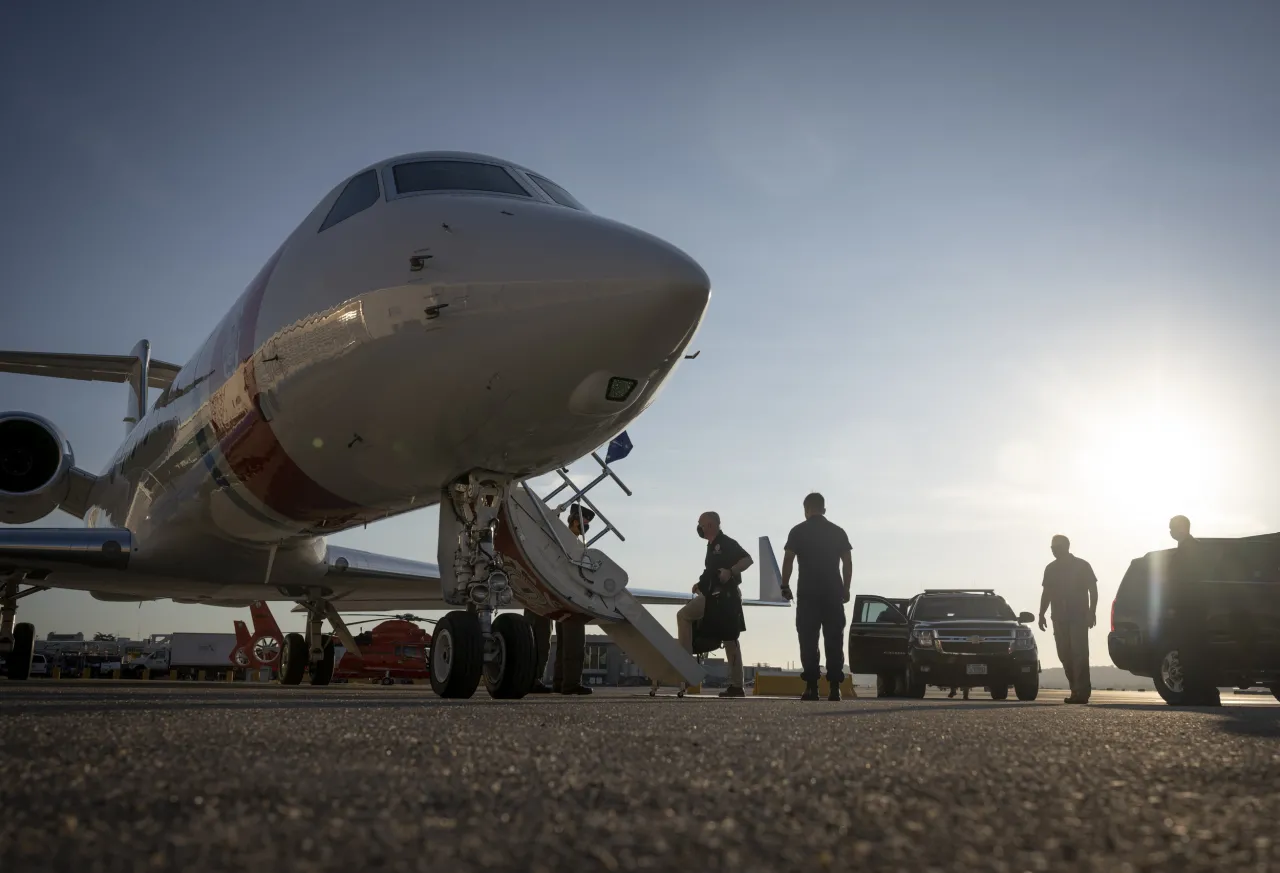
(822, 548)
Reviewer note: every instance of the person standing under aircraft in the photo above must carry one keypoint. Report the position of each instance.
(571, 634)
(1190, 567)
(1072, 589)
(822, 548)
(725, 562)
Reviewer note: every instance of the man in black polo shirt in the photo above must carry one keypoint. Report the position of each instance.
(726, 561)
(1071, 588)
(824, 590)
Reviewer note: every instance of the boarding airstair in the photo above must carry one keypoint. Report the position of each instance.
(558, 575)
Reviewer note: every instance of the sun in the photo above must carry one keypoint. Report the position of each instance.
(1152, 463)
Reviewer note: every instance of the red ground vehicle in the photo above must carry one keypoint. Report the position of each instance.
(395, 649)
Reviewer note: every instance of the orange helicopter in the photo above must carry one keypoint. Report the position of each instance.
(395, 649)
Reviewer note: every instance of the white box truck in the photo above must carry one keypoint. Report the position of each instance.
(189, 653)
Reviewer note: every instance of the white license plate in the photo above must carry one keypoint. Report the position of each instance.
(976, 669)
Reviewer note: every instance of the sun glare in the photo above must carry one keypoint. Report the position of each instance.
(1141, 466)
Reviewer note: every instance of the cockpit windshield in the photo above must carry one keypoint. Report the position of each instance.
(556, 193)
(976, 607)
(438, 175)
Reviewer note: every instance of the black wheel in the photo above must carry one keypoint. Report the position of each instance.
(293, 659)
(18, 661)
(457, 655)
(1028, 688)
(915, 685)
(999, 692)
(886, 685)
(322, 670)
(511, 673)
(1275, 690)
(1173, 683)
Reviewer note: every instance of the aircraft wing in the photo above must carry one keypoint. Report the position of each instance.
(87, 368)
(770, 585)
(39, 551)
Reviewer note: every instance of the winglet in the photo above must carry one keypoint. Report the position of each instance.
(770, 575)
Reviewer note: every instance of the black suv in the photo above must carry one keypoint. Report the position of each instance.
(952, 638)
(1234, 596)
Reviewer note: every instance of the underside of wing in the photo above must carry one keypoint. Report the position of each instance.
(86, 368)
(37, 552)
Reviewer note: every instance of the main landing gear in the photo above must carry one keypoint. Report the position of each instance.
(315, 649)
(472, 643)
(17, 641)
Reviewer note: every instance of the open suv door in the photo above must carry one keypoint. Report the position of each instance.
(878, 641)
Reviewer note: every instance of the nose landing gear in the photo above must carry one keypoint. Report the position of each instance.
(472, 643)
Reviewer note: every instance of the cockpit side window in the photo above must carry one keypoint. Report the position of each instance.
(360, 193)
(438, 175)
(556, 193)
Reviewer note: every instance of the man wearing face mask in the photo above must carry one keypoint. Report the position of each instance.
(722, 578)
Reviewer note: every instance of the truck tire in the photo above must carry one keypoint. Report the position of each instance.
(322, 671)
(1172, 684)
(886, 685)
(915, 686)
(18, 661)
(1275, 690)
(512, 673)
(457, 655)
(293, 659)
(1027, 689)
(999, 692)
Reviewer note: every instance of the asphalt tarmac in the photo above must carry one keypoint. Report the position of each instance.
(100, 776)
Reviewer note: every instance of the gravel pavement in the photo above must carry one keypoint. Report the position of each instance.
(98, 776)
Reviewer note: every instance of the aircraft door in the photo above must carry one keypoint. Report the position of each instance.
(877, 636)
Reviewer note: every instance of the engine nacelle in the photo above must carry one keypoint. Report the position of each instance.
(35, 467)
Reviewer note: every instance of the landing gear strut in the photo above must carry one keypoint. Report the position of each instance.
(316, 647)
(17, 641)
(470, 643)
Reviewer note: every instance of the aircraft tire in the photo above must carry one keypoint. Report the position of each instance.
(18, 660)
(322, 672)
(457, 655)
(512, 676)
(293, 659)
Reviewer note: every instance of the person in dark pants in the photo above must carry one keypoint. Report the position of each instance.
(721, 580)
(1071, 588)
(571, 633)
(822, 548)
(1191, 565)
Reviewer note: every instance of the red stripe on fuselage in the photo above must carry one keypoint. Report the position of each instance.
(249, 443)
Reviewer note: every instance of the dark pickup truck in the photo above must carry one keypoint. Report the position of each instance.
(1226, 591)
(952, 638)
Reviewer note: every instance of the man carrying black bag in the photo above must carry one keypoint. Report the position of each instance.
(717, 604)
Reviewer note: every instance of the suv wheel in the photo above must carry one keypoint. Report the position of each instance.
(915, 685)
(1275, 689)
(886, 685)
(1028, 688)
(1174, 685)
(999, 692)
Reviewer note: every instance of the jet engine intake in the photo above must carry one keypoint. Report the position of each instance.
(35, 467)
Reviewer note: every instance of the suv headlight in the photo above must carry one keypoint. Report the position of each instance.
(1022, 639)
(924, 638)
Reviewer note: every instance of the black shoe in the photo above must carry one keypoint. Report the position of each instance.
(733, 691)
(835, 693)
(810, 692)
(539, 688)
(576, 689)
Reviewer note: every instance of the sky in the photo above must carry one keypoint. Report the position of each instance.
(983, 272)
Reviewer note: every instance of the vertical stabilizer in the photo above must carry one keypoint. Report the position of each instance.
(770, 575)
(139, 372)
